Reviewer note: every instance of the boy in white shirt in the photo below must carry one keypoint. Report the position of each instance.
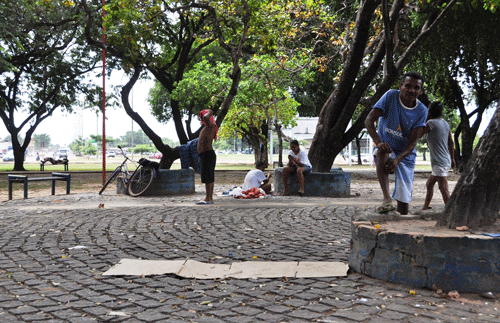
(257, 178)
(298, 162)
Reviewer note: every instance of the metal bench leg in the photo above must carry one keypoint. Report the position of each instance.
(10, 189)
(53, 187)
(25, 184)
(68, 183)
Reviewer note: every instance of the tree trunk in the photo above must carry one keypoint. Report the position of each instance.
(331, 135)
(475, 202)
(358, 150)
(19, 160)
(280, 145)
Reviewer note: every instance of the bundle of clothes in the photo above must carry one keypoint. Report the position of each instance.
(252, 193)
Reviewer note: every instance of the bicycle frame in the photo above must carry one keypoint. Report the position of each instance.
(127, 177)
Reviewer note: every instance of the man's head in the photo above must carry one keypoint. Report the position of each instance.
(435, 110)
(261, 165)
(411, 86)
(294, 146)
(201, 114)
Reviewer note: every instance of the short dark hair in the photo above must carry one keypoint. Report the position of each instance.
(412, 74)
(260, 163)
(436, 109)
(294, 142)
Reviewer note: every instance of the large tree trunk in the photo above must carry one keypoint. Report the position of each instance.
(331, 135)
(475, 202)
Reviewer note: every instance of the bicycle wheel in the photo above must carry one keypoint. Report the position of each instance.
(110, 179)
(140, 181)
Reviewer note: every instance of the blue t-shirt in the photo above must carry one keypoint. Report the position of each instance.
(397, 121)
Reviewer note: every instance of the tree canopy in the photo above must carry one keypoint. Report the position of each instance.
(43, 61)
(462, 68)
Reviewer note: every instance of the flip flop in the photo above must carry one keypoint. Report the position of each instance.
(204, 202)
(386, 208)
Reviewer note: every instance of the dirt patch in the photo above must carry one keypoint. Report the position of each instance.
(428, 227)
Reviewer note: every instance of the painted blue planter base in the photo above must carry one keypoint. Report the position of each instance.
(167, 182)
(468, 263)
(336, 183)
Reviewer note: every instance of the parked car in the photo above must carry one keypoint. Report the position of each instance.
(63, 153)
(111, 154)
(9, 156)
(156, 155)
(365, 158)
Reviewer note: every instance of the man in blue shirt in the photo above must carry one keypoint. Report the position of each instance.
(401, 120)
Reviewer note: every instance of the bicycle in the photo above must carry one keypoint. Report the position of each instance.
(139, 180)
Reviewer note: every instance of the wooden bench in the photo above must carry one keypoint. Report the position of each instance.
(43, 162)
(25, 179)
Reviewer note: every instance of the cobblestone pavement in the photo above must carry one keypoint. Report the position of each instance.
(44, 278)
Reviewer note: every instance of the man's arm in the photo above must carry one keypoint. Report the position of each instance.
(268, 176)
(412, 143)
(370, 121)
(425, 131)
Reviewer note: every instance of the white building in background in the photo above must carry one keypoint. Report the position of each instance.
(304, 130)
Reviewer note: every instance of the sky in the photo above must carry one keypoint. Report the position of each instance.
(63, 127)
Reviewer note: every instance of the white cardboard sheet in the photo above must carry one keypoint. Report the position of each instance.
(248, 269)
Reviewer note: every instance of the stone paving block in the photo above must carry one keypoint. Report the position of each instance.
(34, 317)
(246, 310)
(151, 316)
(297, 303)
(278, 309)
(318, 308)
(11, 304)
(393, 315)
(270, 317)
(223, 313)
(243, 319)
(350, 315)
(304, 314)
(80, 320)
(23, 310)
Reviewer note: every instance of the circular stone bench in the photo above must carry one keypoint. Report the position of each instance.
(336, 183)
(167, 182)
(463, 262)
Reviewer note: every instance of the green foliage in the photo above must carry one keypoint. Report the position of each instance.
(77, 146)
(44, 62)
(203, 86)
(41, 140)
(141, 149)
(90, 149)
(133, 138)
(224, 144)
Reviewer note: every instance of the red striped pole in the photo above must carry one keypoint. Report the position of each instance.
(103, 97)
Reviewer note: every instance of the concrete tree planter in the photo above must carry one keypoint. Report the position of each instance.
(167, 182)
(468, 263)
(336, 183)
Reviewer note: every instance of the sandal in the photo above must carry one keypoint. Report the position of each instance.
(386, 208)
